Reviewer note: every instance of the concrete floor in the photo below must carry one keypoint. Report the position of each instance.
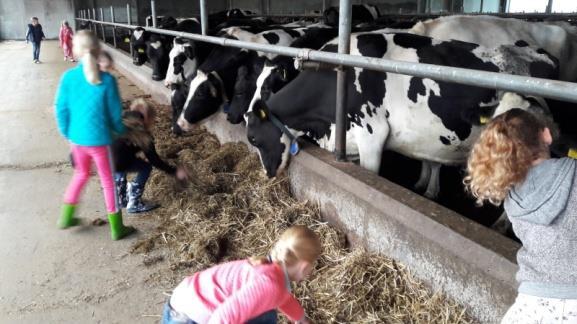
(50, 275)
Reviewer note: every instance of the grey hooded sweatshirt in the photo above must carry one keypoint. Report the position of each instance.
(543, 211)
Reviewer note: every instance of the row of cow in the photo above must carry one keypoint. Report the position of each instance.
(432, 121)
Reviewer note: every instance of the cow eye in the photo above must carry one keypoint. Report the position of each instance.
(252, 140)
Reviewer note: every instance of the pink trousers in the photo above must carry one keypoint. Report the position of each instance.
(83, 155)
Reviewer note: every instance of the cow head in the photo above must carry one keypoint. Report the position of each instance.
(157, 51)
(181, 58)
(205, 96)
(272, 143)
(243, 88)
(274, 76)
(138, 44)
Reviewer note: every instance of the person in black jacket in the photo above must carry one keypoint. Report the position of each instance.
(125, 151)
(36, 36)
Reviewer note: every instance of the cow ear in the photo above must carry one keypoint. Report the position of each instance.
(261, 110)
(189, 51)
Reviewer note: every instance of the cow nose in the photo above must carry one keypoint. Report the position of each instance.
(168, 84)
(183, 124)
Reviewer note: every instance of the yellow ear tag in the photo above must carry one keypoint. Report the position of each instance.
(140, 50)
(262, 114)
(572, 153)
(483, 120)
(127, 40)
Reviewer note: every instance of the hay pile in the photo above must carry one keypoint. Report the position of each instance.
(230, 210)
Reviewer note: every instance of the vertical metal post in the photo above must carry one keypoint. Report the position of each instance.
(94, 24)
(129, 22)
(481, 8)
(153, 10)
(429, 5)
(345, 10)
(101, 25)
(324, 6)
(419, 6)
(203, 17)
(113, 27)
(549, 8)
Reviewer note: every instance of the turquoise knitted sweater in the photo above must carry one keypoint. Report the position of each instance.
(87, 114)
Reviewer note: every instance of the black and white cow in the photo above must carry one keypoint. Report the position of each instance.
(419, 118)
(214, 82)
(155, 48)
(362, 13)
(557, 38)
(276, 73)
(159, 46)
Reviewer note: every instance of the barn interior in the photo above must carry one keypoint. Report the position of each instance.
(443, 259)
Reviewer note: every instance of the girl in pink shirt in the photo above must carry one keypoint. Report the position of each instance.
(248, 291)
(65, 37)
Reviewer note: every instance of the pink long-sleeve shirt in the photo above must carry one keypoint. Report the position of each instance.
(235, 292)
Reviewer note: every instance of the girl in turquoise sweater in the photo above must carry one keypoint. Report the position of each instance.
(89, 113)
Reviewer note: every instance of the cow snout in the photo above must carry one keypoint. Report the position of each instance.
(168, 84)
(184, 124)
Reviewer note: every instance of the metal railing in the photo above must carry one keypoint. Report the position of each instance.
(560, 90)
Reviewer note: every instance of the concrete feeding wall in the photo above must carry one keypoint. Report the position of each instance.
(15, 16)
(467, 262)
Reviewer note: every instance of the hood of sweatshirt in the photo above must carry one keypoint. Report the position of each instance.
(544, 193)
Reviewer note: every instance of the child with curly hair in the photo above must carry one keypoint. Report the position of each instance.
(510, 163)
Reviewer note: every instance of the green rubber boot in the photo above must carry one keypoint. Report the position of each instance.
(117, 228)
(67, 218)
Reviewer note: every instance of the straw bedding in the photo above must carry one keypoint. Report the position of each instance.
(230, 210)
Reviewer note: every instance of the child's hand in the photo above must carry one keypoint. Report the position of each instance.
(303, 321)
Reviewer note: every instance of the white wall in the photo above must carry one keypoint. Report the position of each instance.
(15, 16)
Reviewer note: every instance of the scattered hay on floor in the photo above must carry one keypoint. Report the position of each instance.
(230, 210)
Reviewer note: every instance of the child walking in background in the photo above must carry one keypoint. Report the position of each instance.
(248, 290)
(36, 36)
(510, 163)
(88, 112)
(138, 139)
(65, 38)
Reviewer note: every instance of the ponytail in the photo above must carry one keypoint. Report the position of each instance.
(86, 47)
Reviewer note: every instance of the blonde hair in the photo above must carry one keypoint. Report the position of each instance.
(140, 105)
(503, 155)
(86, 47)
(137, 126)
(297, 243)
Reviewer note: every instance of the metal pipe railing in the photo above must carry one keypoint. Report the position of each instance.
(102, 26)
(153, 10)
(341, 100)
(203, 17)
(113, 27)
(94, 17)
(560, 90)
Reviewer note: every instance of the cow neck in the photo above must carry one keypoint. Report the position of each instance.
(221, 86)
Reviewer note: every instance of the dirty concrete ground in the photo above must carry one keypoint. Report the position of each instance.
(50, 275)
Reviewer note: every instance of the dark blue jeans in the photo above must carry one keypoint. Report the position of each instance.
(167, 318)
(142, 169)
(36, 50)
